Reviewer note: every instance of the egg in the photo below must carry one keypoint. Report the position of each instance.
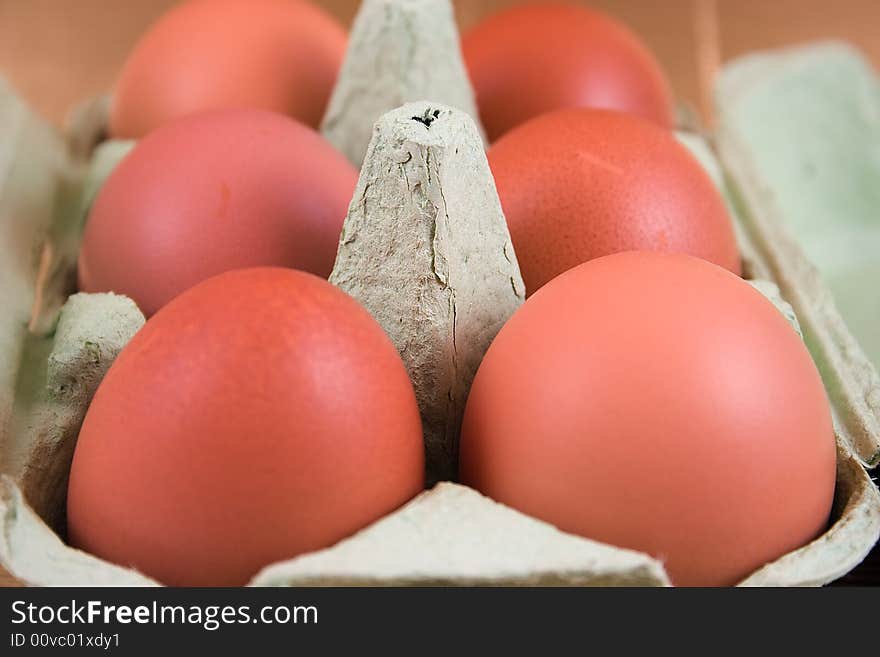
(216, 191)
(279, 55)
(656, 402)
(579, 184)
(535, 58)
(260, 415)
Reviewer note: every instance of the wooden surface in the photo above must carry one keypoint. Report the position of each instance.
(57, 52)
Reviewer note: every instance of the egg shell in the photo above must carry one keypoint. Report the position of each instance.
(260, 415)
(579, 184)
(279, 55)
(206, 194)
(536, 58)
(620, 403)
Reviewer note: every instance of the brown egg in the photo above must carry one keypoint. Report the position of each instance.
(579, 184)
(656, 402)
(279, 55)
(217, 191)
(537, 58)
(260, 415)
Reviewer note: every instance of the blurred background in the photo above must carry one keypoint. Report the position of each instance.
(57, 52)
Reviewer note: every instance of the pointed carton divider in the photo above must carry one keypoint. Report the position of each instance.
(799, 141)
(425, 248)
(452, 535)
(399, 51)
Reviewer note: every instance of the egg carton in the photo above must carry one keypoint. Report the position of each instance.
(426, 249)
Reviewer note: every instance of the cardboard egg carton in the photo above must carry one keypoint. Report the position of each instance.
(425, 248)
